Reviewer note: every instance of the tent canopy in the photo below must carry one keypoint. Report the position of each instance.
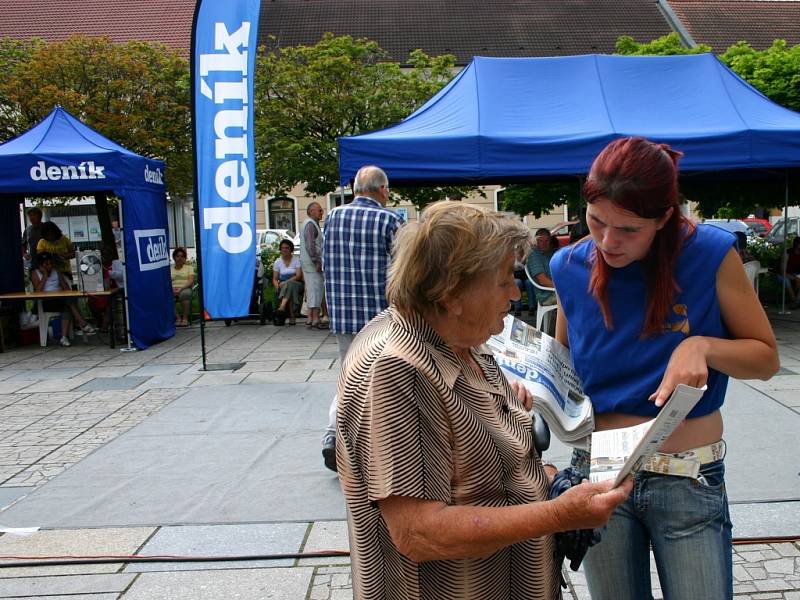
(512, 119)
(63, 156)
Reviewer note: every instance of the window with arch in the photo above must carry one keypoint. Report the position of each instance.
(281, 214)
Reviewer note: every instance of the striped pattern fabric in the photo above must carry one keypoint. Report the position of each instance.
(356, 252)
(415, 420)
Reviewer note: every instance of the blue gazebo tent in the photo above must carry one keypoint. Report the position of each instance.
(63, 156)
(515, 119)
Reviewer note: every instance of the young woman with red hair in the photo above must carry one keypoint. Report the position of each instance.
(649, 301)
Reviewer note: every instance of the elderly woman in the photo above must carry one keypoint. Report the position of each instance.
(182, 275)
(287, 277)
(445, 492)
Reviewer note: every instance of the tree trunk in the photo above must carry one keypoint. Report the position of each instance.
(104, 218)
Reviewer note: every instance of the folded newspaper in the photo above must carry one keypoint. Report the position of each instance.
(544, 366)
(619, 452)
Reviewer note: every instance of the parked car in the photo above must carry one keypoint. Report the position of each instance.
(267, 237)
(562, 231)
(760, 226)
(732, 225)
(776, 233)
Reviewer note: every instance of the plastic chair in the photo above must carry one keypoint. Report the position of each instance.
(44, 322)
(541, 310)
(752, 268)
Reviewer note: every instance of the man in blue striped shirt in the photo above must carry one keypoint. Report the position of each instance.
(356, 252)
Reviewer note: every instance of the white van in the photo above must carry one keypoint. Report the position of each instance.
(267, 237)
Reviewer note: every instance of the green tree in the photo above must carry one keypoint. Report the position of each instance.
(135, 93)
(309, 96)
(13, 53)
(775, 71)
(666, 45)
(541, 197)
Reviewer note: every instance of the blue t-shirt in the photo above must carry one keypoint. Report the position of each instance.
(618, 368)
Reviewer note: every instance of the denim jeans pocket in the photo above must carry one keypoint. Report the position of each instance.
(694, 504)
(712, 478)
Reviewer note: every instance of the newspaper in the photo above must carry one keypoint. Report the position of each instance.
(544, 366)
(619, 452)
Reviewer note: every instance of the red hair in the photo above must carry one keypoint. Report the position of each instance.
(641, 177)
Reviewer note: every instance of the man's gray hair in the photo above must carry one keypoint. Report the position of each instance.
(311, 206)
(370, 179)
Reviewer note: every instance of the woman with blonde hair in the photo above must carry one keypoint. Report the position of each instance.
(446, 494)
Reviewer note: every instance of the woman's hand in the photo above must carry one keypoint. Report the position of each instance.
(523, 394)
(589, 505)
(687, 365)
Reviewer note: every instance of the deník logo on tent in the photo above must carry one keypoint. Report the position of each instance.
(41, 171)
(153, 176)
(152, 248)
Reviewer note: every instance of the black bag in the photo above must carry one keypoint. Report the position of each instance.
(279, 318)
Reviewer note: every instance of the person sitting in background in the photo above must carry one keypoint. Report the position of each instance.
(182, 282)
(521, 279)
(287, 277)
(62, 251)
(791, 280)
(112, 279)
(741, 247)
(46, 278)
(539, 267)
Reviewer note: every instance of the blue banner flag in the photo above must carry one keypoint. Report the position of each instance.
(225, 38)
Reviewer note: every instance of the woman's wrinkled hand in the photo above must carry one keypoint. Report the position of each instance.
(523, 394)
(687, 365)
(590, 505)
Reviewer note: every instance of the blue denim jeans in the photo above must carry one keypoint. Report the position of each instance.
(517, 304)
(689, 527)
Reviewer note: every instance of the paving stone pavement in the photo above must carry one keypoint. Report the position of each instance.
(58, 405)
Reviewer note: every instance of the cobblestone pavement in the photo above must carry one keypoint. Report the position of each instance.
(58, 405)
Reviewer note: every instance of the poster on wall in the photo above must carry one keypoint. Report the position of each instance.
(79, 228)
(93, 224)
(402, 212)
(63, 225)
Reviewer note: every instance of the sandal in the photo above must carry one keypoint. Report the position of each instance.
(291, 321)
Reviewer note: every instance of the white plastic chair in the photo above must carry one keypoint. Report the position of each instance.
(44, 322)
(752, 268)
(541, 310)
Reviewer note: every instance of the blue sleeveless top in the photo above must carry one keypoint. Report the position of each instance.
(618, 368)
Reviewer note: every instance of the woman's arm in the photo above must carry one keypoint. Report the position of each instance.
(37, 280)
(429, 530)
(62, 281)
(752, 353)
(561, 325)
(69, 248)
(190, 279)
(298, 274)
(276, 281)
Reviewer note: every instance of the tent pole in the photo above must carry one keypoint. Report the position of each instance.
(784, 261)
(195, 194)
(130, 348)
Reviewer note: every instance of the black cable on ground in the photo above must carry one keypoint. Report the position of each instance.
(44, 561)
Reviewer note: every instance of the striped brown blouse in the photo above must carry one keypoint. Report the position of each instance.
(415, 420)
